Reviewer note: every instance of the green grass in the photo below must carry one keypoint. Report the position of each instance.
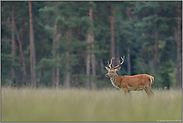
(89, 105)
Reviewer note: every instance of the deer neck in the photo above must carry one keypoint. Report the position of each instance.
(115, 80)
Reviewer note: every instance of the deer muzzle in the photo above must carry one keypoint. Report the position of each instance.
(107, 75)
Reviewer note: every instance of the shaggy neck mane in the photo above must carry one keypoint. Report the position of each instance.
(114, 80)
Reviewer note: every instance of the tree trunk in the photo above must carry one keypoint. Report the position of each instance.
(118, 56)
(41, 80)
(129, 13)
(58, 70)
(23, 31)
(90, 54)
(20, 71)
(128, 61)
(32, 48)
(53, 75)
(178, 64)
(67, 80)
(57, 78)
(20, 61)
(178, 41)
(101, 64)
(156, 50)
(13, 44)
(53, 56)
(93, 84)
(22, 56)
(88, 67)
(112, 31)
(68, 72)
(79, 33)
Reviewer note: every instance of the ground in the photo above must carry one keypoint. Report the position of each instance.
(51, 105)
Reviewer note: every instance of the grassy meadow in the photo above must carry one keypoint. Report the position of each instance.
(57, 105)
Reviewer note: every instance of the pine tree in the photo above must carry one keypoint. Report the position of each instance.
(32, 48)
(13, 43)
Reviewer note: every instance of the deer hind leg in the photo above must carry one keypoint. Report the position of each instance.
(149, 91)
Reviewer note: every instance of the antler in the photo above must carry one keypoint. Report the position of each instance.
(120, 63)
(109, 65)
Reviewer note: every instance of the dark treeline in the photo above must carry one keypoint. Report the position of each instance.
(67, 44)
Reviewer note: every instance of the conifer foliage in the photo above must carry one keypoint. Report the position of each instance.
(67, 44)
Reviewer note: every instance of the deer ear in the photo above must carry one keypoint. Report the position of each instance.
(107, 68)
(117, 69)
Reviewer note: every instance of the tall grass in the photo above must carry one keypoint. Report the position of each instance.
(89, 105)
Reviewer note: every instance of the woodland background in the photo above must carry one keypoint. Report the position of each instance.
(67, 44)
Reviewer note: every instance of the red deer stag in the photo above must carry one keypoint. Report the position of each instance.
(129, 83)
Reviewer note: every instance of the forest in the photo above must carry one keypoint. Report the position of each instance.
(68, 44)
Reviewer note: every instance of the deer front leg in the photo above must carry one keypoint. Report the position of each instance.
(126, 90)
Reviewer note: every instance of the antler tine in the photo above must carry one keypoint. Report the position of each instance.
(109, 65)
(120, 63)
(122, 59)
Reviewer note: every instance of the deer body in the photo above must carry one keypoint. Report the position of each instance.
(129, 83)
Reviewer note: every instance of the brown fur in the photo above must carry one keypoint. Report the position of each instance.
(129, 83)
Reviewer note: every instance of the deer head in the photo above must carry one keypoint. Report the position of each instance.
(112, 70)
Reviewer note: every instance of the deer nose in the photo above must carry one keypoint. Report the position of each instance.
(106, 75)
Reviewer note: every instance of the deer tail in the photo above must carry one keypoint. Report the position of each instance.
(152, 79)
